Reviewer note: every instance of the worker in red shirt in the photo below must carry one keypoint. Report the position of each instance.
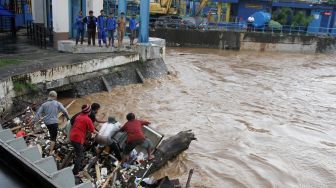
(135, 136)
(81, 126)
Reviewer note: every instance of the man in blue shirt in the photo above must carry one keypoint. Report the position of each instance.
(101, 26)
(80, 27)
(132, 26)
(111, 26)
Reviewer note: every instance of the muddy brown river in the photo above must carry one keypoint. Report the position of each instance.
(261, 119)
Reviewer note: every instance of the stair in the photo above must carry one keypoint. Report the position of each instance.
(62, 178)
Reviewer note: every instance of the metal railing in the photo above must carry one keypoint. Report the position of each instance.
(39, 34)
(7, 27)
(243, 27)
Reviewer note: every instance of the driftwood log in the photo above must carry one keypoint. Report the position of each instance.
(168, 150)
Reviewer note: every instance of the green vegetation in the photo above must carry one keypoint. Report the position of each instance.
(286, 16)
(20, 87)
(332, 2)
(300, 19)
(282, 15)
(6, 62)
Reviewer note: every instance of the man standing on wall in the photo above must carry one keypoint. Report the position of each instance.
(132, 26)
(101, 25)
(91, 27)
(111, 26)
(49, 112)
(80, 27)
(121, 28)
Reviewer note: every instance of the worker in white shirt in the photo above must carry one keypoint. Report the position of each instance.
(105, 134)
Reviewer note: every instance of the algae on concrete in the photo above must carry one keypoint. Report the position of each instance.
(6, 62)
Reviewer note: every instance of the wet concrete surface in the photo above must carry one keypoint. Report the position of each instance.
(8, 179)
(35, 58)
(261, 119)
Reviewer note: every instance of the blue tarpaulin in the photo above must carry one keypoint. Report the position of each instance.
(5, 12)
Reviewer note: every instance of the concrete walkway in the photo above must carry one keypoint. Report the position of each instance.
(33, 58)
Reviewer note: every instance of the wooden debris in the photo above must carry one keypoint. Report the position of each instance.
(191, 171)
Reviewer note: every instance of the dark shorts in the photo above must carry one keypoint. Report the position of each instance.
(131, 145)
(53, 128)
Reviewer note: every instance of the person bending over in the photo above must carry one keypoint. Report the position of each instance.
(135, 136)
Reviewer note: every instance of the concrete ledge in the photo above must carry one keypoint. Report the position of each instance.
(70, 46)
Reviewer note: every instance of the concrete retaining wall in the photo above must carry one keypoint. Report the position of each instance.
(65, 77)
(246, 40)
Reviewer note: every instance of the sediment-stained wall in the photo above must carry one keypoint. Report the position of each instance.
(257, 41)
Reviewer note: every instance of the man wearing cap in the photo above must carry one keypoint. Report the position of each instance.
(49, 112)
(106, 132)
(82, 125)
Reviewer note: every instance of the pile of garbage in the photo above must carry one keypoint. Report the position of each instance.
(101, 167)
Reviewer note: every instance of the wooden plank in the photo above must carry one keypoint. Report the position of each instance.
(189, 178)
(142, 80)
(107, 85)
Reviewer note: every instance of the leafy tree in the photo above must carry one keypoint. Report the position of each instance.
(300, 19)
(283, 15)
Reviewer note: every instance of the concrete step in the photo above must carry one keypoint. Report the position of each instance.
(47, 164)
(64, 178)
(17, 143)
(6, 135)
(32, 154)
(84, 185)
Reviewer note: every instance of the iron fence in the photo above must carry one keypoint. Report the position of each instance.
(39, 34)
(7, 27)
(241, 27)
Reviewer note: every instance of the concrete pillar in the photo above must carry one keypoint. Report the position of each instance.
(122, 6)
(95, 6)
(39, 11)
(219, 11)
(228, 12)
(61, 20)
(144, 21)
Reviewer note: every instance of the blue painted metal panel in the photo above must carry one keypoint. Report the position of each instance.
(75, 8)
(122, 6)
(333, 24)
(313, 27)
(247, 8)
(144, 21)
(292, 5)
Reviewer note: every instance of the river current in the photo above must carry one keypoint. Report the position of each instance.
(261, 119)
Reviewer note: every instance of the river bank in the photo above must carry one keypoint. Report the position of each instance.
(261, 119)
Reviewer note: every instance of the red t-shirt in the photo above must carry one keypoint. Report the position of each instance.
(134, 130)
(81, 125)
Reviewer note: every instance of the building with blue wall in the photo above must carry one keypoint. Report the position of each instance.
(21, 9)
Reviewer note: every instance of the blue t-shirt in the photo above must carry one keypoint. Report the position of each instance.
(79, 23)
(101, 22)
(111, 23)
(132, 24)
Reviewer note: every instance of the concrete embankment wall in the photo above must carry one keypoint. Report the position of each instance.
(85, 77)
(246, 40)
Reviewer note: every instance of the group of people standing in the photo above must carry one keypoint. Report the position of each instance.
(82, 124)
(106, 27)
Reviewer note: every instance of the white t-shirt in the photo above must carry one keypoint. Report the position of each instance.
(106, 131)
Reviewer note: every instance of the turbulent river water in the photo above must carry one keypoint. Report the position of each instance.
(261, 119)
